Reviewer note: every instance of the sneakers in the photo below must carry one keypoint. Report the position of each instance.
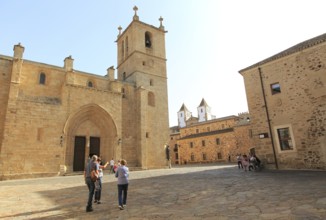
(89, 209)
(121, 207)
(124, 206)
(95, 201)
(99, 202)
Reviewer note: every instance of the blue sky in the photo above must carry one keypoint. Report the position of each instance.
(207, 43)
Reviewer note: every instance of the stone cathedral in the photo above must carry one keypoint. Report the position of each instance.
(53, 117)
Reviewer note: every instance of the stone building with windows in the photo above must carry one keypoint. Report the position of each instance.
(286, 96)
(207, 139)
(53, 117)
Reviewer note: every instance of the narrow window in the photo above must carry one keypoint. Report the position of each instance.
(123, 93)
(148, 40)
(192, 157)
(42, 79)
(284, 138)
(191, 144)
(147, 134)
(124, 76)
(250, 133)
(204, 156)
(276, 88)
(127, 47)
(203, 143)
(90, 84)
(219, 156)
(151, 83)
(218, 141)
(151, 99)
(123, 49)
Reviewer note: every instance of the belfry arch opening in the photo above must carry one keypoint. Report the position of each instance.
(148, 39)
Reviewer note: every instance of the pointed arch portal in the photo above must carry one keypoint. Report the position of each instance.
(90, 130)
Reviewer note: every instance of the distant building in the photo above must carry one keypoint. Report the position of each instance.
(52, 118)
(207, 139)
(286, 96)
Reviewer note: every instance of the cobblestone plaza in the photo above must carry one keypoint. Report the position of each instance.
(184, 192)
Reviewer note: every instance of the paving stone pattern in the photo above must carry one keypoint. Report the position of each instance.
(221, 192)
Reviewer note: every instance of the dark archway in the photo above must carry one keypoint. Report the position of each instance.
(89, 121)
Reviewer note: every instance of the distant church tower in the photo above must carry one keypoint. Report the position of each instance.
(204, 111)
(142, 70)
(183, 115)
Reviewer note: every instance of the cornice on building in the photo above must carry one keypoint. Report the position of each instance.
(296, 48)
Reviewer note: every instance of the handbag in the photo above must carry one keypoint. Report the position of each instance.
(94, 176)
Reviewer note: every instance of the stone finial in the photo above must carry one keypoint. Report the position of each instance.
(135, 16)
(18, 51)
(110, 73)
(69, 63)
(119, 28)
(161, 23)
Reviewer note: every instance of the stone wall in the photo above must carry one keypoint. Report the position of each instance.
(301, 106)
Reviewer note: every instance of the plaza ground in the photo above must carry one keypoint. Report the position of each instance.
(182, 193)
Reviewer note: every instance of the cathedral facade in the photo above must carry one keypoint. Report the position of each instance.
(53, 117)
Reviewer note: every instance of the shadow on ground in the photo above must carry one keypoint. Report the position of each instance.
(192, 192)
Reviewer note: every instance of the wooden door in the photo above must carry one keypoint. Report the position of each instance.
(79, 153)
(94, 146)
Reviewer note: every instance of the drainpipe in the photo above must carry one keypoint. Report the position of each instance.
(268, 119)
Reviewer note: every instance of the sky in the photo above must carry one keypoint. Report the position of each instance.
(207, 43)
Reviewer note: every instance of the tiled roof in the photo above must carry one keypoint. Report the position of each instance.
(299, 47)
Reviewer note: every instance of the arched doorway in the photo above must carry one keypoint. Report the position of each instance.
(90, 130)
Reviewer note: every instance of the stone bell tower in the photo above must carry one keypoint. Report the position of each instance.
(142, 70)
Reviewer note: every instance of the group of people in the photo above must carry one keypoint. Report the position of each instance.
(250, 162)
(95, 184)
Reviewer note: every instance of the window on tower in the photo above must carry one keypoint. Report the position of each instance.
(127, 47)
(148, 39)
(123, 49)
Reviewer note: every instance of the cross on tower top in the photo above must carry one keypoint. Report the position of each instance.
(136, 16)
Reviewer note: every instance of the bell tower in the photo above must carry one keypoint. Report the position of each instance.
(142, 68)
(204, 111)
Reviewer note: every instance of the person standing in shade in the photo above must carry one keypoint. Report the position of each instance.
(92, 165)
(111, 166)
(122, 174)
(98, 183)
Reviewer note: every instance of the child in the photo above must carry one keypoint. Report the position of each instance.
(122, 174)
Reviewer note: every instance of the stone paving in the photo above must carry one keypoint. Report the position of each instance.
(182, 193)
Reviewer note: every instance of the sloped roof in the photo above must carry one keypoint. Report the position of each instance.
(296, 48)
(183, 108)
(203, 103)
